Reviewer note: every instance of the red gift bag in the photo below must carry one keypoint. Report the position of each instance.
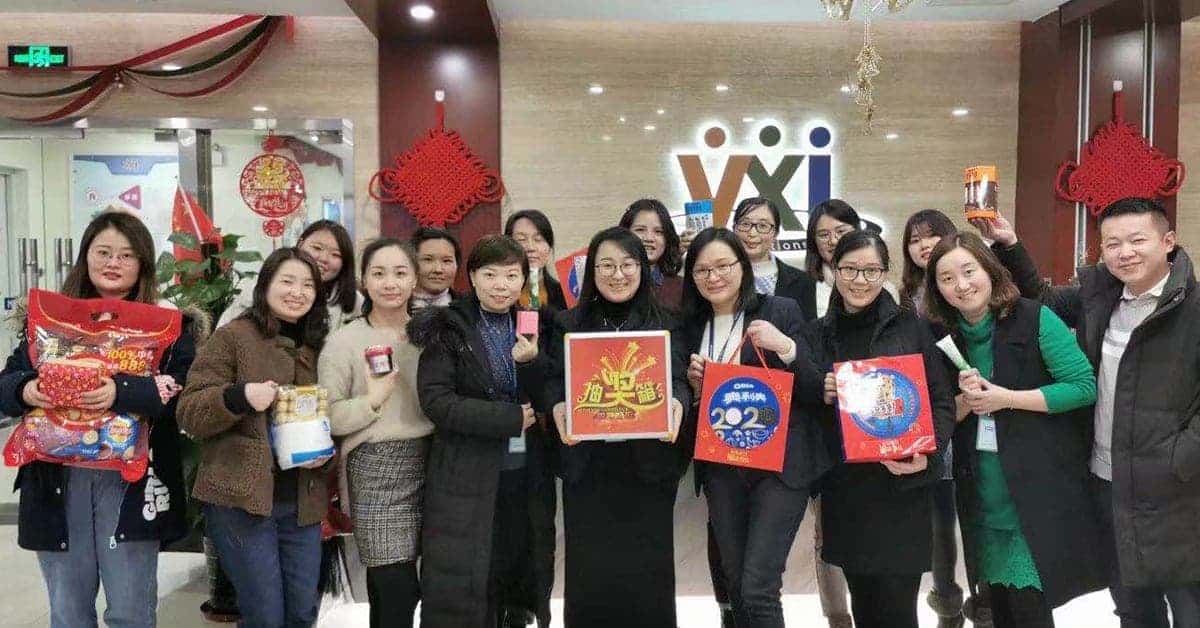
(884, 408)
(744, 414)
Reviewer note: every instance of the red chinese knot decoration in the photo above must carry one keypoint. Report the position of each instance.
(272, 187)
(439, 179)
(1118, 163)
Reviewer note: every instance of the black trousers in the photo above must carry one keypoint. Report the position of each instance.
(754, 518)
(511, 578)
(884, 600)
(393, 592)
(1019, 608)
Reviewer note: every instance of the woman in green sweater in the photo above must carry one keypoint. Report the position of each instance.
(1023, 468)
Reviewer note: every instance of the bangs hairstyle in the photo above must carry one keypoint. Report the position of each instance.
(539, 220)
(314, 325)
(672, 258)
(694, 303)
(750, 204)
(496, 249)
(838, 210)
(374, 247)
(1004, 291)
(78, 283)
(644, 303)
(341, 289)
(924, 223)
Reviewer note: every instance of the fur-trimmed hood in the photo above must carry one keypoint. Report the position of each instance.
(437, 325)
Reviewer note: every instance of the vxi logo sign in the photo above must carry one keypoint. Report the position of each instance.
(802, 177)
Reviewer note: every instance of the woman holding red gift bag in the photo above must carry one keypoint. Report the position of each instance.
(90, 526)
(1022, 454)
(877, 517)
(754, 513)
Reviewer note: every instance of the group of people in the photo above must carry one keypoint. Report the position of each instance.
(1067, 449)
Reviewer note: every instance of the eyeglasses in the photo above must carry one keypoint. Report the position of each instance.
(835, 235)
(721, 270)
(608, 269)
(762, 228)
(850, 273)
(104, 256)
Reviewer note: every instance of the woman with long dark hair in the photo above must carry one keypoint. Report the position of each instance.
(922, 232)
(619, 497)
(531, 229)
(1022, 455)
(263, 520)
(876, 517)
(90, 527)
(383, 434)
(487, 559)
(650, 221)
(754, 514)
(329, 245)
(827, 223)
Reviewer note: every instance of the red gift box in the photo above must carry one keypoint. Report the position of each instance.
(65, 381)
(618, 385)
(744, 415)
(884, 408)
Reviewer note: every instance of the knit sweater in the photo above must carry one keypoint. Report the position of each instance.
(343, 370)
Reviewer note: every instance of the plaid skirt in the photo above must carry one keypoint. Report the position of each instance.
(386, 484)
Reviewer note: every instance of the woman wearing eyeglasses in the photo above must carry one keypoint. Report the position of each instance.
(753, 514)
(619, 496)
(877, 517)
(756, 222)
(827, 223)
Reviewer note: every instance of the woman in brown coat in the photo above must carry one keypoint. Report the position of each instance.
(265, 522)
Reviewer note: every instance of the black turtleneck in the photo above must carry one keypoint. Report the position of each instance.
(855, 330)
(293, 331)
(613, 315)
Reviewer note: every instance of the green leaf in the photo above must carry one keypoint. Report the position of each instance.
(247, 256)
(230, 241)
(189, 267)
(185, 239)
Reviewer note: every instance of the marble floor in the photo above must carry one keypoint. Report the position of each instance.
(182, 586)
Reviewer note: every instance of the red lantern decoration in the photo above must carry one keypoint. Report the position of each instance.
(272, 187)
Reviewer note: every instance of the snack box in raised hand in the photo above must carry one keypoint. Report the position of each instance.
(883, 404)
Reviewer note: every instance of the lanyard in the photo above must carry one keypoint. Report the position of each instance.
(712, 330)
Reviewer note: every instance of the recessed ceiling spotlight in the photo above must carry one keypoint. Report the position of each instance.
(846, 89)
(621, 119)
(892, 136)
(422, 12)
(748, 119)
(721, 87)
(607, 138)
(661, 111)
(649, 127)
(960, 112)
(260, 108)
(171, 67)
(595, 89)
(314, 137)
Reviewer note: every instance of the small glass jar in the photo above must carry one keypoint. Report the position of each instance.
(379, 359)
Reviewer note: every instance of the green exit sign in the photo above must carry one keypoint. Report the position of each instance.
(37, 56)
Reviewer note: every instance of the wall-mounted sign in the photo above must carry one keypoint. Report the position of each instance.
(796, 176)
(38, 56)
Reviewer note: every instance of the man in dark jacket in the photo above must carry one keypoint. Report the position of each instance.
(1136, 318)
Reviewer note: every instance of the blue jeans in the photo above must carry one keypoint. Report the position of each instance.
(754, 519)
(273, 563)
(128, 570)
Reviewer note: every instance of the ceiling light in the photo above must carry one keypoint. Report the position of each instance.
(748, 119)
(661, 111)
(649, 127)
(422, 12)
(960, 112)
(621, 119)
(891, 136)
(596, 89)
(314, 137)
(721, 87)
(846, 89)
(607, 138)
(260, 108)
(171, 67)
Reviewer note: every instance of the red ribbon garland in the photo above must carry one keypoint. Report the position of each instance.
(117, 72)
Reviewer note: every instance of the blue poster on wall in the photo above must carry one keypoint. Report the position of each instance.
(143, 185)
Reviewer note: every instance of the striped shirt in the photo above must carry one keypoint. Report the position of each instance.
(1129, 313)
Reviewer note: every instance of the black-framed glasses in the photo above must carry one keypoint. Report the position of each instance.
(746, 226)
(850, 273)
(720, 270)
(608, 269)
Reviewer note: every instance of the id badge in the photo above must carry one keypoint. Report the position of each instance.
(516, 444)
(985, 438)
